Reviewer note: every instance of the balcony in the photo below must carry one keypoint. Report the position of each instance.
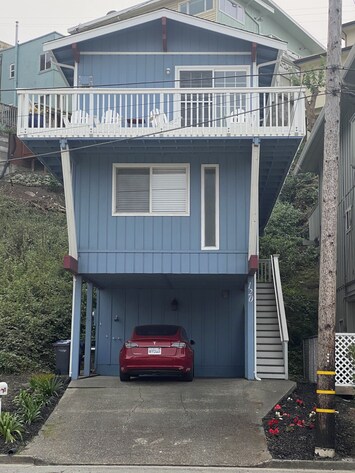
(8, 118)
(115, 113)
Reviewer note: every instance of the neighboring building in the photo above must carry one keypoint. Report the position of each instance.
(26, 66)
(311, 160)
(257, 16)
(23, 66)
(173, 145)
(317, 61)
(4, 45)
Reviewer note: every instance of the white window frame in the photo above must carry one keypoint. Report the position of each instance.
(12, 71)
(188, 2)
(47, 58)
(237, 7)
(203, 168)
(348, 219)
(214, 69)
(185, 166)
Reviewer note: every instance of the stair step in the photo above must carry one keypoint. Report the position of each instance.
(271, 369)
(271, 376)
(275, 355)
(265, 347)
(270, 362)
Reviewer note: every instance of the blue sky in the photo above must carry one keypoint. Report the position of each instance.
(43, 16)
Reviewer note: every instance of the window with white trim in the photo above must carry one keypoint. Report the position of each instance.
(203, 108)
(348, 219)
(45, 62)
(210, 207)
(194, 7)
(232, 9)
(151, 189)
(12, 71)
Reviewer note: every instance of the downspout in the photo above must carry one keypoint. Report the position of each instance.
(253, 247)
(254, 20)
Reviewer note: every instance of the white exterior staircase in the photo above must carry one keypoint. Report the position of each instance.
(271, 327)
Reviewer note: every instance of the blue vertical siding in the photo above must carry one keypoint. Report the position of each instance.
(112, 244)
(215, 322)
(113, 70)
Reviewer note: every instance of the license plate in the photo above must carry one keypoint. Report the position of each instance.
(154, 351)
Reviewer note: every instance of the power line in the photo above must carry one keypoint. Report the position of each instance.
(174, 81)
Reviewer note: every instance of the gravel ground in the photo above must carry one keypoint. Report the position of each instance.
(290, 426)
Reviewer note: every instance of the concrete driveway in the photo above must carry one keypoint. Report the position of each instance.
(209, 422)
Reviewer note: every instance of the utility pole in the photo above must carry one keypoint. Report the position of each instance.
(325, 426)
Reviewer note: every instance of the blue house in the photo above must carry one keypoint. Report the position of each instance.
(173, 144)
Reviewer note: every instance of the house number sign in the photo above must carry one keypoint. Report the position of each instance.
(250, 292)
(3, 392)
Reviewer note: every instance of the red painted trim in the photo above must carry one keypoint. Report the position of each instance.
(253, 264)
(76, 52)
(70, 264)
(164, 34)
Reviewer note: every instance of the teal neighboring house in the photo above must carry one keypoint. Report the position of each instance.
(25, 65)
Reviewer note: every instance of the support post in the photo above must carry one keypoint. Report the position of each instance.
(325, 425)
(69, 198)
(88, 326)
(75, 328)
(253, 249)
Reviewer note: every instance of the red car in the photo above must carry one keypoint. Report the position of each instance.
(157, 349)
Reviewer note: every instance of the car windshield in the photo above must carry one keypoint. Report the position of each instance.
(156, 330)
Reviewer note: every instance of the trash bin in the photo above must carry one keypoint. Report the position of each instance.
(62, 356)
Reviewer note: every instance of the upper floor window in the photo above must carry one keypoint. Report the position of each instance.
(151, 189)
(194, 7)
(233, 9)
(45, 62)
(12, 71)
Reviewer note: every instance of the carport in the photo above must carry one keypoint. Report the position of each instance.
(212, 309)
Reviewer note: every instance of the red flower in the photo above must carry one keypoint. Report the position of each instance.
(277, 407)
(274, 431)
(299, 402)
(295, 420)
(272, 422)
(311, 426)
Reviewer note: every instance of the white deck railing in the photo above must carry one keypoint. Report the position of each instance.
(92, 112)
(280, 306)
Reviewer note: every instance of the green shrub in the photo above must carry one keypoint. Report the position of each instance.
(46, 385)
(11, 363)
(29, 406)
(11, 427)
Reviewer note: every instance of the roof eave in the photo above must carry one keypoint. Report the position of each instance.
(151, 16)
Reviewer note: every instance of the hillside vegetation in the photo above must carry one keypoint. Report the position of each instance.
(35, 292)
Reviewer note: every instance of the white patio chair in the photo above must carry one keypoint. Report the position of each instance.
(110, 121)
(158, 119)
(78, 123)
(237, 116)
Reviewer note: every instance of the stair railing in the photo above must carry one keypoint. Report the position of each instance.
(280, 308)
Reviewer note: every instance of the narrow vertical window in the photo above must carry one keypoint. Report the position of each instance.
(12, 71)
(210, 206)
